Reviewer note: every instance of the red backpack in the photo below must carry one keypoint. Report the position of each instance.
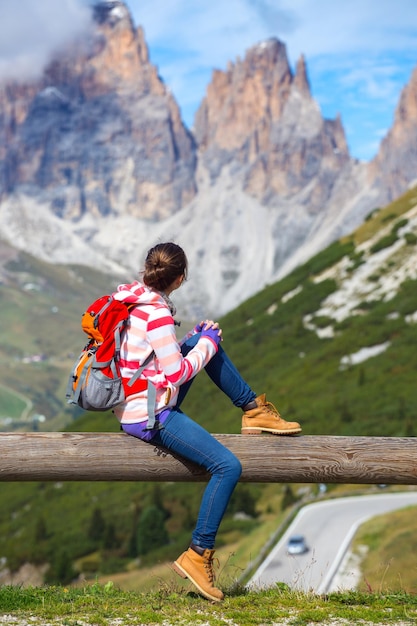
(95, 382)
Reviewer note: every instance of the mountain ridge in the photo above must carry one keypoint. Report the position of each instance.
(96, 164)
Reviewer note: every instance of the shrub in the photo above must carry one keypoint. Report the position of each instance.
(399, 225)
(384, 242)
(410, 238)
(328, 257)
(371, 214)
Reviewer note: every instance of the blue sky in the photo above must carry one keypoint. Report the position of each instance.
(359, 53)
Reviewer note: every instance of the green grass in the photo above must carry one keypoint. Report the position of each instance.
(101, 604)
(381, 217)
(12, 404)
(388, 561)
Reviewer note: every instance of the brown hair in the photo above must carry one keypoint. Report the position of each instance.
(164, 263)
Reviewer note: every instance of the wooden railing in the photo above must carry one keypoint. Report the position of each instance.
(265, 459)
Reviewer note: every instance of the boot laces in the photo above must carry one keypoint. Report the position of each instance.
(269, 407)
(208, 566)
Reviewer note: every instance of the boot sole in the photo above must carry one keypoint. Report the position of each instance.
(184, 574)
(271, 431)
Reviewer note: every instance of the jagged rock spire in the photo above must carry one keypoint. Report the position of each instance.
(301, 78)
(395, 165)
(260, 117)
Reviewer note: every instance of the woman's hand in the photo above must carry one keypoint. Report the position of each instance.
(206, 325)
(212, 330)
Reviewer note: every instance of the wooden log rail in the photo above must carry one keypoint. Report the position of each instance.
(265, 459)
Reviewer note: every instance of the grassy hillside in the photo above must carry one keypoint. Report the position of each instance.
(40, 313)
(386, 547)
(269, 341)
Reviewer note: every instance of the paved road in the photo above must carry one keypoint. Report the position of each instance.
(328, 527)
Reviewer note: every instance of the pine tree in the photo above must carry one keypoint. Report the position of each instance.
(109, 537)
(61, 570)
(41, 532)
(151, 530)
(97, 525)
(288, 498)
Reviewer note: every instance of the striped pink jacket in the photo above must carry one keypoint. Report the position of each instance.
(152, 328)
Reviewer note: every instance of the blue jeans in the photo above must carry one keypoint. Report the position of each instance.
(184, 437)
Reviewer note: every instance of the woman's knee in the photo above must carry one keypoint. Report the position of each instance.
(234, 467)
(227, 464)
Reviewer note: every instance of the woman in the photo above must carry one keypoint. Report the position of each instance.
(169, 371)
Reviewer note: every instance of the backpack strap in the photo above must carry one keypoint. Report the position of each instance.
(153, 423)
(74, 395)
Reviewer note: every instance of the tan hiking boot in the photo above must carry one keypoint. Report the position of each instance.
(264, 417)
(199, 569)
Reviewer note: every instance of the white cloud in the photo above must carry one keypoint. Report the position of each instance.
(30, 31)
(325, 27)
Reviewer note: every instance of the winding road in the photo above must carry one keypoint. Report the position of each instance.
(328, 527)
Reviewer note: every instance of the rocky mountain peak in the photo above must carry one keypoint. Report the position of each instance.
(99, 134)
(250, 93)
(269, 56)
(115, 15)
(120, 53)
(394, 167)
(262, 118)
(111, 12)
